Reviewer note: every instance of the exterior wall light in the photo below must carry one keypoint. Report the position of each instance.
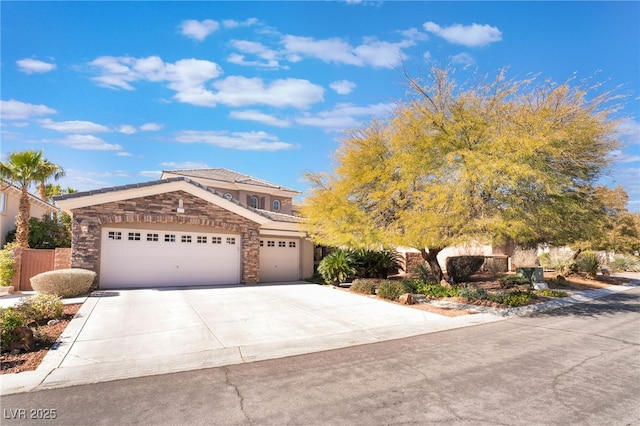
(180, 208)
(84, 226)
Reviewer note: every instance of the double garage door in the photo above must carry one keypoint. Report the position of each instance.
(153, 258)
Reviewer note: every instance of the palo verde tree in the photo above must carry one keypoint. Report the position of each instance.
(479, 162)
(23, 169)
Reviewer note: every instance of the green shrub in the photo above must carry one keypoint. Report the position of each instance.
(64, 282)
(424, 273)
(460, 268)
(375, 263)
(512, 281)
(436, 291)
(7, 264)
(471, 292)
(551, 293)
(363, 286)
(625, 263)
(411, 286)
(41, 307)
(513, 299)
(10, 319)
(336, 267)
(390, 289)
(588, 262)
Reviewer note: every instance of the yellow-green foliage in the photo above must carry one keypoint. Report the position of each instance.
(7, 264)
(486, 161)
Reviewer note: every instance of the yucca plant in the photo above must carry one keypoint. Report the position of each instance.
(588, 262)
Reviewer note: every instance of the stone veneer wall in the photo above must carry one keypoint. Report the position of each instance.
(161, 208)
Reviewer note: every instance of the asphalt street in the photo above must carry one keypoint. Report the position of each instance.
(578, 365)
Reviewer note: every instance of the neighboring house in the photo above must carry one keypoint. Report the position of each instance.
(9, 203)
(191, 227)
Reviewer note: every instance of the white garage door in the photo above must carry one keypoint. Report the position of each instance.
(279, 259)
(153, 258)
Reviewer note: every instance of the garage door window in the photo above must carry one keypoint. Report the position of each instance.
(134, 236)
(271, 243)
(201, 239)
(231, 240)
(169, 238)
(216, 240)
(185, 238)
(152, 237)
(292, 244)
(115, 235)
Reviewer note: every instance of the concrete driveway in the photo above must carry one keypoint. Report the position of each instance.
(131, 333)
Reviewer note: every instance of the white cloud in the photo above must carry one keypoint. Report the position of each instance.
(88, 143)
(73, 126)
(16, 110)
(414, 34)
(187, 76)
(151, 173)
(378, 54)
(463, 58)
(199, 30)
(269, 57)
(124, 154)
(184, 165)
(244, 141)
(127, 129)
(474, 35)
(230, 23)
(241, 91)
(343, 87)
(629, 129)
(622, 157)
(151, 127)
(31, 66)
(260, 117)
(345, 116)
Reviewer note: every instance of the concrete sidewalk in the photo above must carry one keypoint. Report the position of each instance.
(133, 333)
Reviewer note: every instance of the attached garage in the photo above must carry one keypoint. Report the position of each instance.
(153, 258)
(279, 259)
(177, 232)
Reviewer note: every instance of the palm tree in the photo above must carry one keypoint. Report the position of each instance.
(46, 171)
(25, 168)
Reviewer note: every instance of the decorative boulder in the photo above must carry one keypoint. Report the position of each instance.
(540, 286)
(406, 299)
(22, 339)
(64, 282)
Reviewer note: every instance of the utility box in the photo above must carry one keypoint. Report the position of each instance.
(534, 274)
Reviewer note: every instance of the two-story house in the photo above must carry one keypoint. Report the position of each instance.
(191, 227)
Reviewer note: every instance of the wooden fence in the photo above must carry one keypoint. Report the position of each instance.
(31, 262)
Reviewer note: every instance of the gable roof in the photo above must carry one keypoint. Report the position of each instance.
(102, 195)
(229, 176)
(12, 189)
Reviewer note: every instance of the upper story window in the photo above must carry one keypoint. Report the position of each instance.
(255, 202)
(276, 205)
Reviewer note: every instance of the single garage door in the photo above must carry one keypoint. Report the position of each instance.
(153, 258)
(279, 259)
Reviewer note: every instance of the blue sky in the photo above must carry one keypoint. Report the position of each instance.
(115, 92)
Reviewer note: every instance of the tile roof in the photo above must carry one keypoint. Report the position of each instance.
(226, 175)
(276, 217)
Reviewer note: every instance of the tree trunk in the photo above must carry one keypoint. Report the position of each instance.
(431, 257)
(577, 253)
(22, 220)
